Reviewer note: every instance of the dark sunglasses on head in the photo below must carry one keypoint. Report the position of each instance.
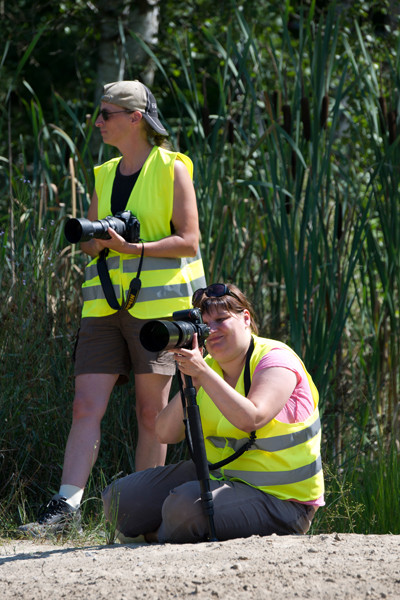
(215, 290)
(106, 114)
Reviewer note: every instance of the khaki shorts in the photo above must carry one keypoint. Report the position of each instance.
(111, 345)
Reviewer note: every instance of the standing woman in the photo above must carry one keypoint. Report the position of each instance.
(155, 184)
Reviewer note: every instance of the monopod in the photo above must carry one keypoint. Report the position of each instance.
(197, 449)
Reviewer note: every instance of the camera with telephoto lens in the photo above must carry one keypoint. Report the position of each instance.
(178, 333)
(83, 230)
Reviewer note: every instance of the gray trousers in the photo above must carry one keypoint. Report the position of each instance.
(167, 500)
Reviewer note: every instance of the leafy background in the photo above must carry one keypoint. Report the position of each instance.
(289, 112)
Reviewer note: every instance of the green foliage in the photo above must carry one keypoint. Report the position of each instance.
(342, 513)
(292, 128)
(65, 55)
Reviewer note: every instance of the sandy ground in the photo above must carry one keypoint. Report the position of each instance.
(318, 567)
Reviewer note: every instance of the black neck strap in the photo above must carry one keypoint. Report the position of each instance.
(252, 437)
(108, 288)
(246, 374)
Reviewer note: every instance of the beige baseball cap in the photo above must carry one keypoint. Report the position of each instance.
(134, 95)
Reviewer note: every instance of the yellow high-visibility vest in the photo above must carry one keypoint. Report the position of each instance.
(285, 460)
(167, 283)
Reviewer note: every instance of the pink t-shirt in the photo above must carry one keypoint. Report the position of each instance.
(300, 405)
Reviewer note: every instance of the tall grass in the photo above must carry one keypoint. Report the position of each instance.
(296, 173)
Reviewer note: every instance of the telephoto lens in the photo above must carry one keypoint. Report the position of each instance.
(178, 333)
(83, 230)
(164, 335)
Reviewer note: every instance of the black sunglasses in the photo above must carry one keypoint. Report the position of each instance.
(215, 290)
(106, 114)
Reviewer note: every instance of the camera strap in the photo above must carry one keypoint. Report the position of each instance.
(252, 436)
(108, 288)
(247, 445)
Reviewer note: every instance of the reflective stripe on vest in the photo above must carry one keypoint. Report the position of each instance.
(130, 265)
(272, 444)
(271, 478)
(166, 292)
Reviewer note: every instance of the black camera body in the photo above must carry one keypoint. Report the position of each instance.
(178, 333)
(83, 230)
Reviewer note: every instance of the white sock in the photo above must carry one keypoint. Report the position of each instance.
(72, 493)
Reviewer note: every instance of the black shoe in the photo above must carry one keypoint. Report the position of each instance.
(58, 517)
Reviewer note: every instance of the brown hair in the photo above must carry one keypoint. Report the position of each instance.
(234, 304)
(154, 138)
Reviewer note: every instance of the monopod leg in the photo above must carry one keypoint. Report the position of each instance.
(199, 454)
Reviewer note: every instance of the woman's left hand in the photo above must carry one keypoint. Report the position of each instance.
(190, 361)
(119, 244)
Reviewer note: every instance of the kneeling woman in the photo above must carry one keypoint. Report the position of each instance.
(275, 486)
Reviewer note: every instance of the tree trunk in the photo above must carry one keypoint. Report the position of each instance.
(120, 56)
